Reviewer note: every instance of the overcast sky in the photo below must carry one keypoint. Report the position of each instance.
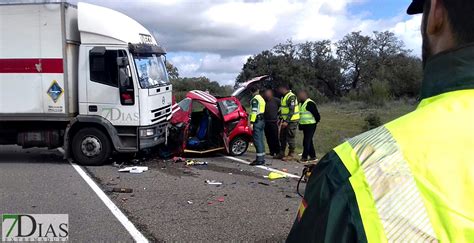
(214, 38)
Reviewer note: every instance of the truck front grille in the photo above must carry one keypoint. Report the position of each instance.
(160, 114)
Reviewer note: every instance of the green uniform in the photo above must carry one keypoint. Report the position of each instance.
(256, 118)
(258, 107)
(411, 180)
(289, 109)
(290, 113)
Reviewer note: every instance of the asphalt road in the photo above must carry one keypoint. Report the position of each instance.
(38, 181)
(170, 202)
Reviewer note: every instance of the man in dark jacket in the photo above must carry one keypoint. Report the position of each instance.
(271, 121)
(309, 117)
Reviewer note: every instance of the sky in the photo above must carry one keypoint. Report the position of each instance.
(214, 38)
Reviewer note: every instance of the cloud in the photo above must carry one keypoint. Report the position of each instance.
(409, 32)
(214, 38)
(213, 66)
(216, 63)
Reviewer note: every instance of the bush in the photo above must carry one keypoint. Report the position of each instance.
(320, 98)
(372, 121)
(377, 94)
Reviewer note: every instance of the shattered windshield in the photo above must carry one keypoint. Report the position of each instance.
(151, 71)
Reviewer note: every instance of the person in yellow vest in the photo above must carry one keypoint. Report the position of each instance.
(309, 117)
(257, 105)
(289, 118)
(412, 179)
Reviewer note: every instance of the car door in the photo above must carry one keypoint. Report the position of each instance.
(231, 116)
(181, 120)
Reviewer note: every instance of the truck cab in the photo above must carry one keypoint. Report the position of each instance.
(94, 81)
(122, 78)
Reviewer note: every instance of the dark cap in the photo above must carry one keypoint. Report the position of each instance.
(416, 7)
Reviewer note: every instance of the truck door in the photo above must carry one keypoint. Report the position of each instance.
(110, 90)
(230, 115)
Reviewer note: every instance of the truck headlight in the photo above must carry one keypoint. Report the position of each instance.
(147, 132)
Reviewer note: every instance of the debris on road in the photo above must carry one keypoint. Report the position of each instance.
(194, 162)
(190, 202)
(134, 169)
(121, 190)
(178, 159)
(263, 183)
(117, 165)
(213, 182)
(220, 199)
(275, 176)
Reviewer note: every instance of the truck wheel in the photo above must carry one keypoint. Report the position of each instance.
(90, 146)
(238, 146)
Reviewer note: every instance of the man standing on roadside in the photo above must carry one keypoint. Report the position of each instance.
(412, 179)
(257, 122)
(309, 118)
(289, 118)
(272, 108)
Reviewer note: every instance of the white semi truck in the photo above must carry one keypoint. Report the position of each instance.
(85, 78)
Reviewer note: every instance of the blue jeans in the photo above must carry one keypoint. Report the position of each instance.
(258, 133)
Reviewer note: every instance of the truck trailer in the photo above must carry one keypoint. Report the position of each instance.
(84, 78)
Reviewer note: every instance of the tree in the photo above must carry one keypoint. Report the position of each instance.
(376, 67)
(173, 73)
(354, 52)
(325, 69)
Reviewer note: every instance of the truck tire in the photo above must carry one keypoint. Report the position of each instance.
(238, 146)
(91, 146)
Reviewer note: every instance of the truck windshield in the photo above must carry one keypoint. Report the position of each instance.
(151, 71)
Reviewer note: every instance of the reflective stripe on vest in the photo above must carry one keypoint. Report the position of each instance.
(413, 177)
(307, 117)
(285, 108)
(389, 201)
(257, 110)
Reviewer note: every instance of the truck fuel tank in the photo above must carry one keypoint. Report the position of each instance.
(43, 138)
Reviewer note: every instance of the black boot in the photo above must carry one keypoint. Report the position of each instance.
(256, 162)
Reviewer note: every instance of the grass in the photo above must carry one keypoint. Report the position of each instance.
(341, 121)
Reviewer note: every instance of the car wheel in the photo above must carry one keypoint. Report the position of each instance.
(91, 146)
(238, 146)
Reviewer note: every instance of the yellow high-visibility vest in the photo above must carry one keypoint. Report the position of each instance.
(257, 110)
(285, 108)
(307, 117)
(409, 176)
(410, 180)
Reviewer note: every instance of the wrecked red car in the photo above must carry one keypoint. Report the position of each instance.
(202, 123)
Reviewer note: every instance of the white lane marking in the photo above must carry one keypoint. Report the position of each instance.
(137, 235)
(262, 167)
